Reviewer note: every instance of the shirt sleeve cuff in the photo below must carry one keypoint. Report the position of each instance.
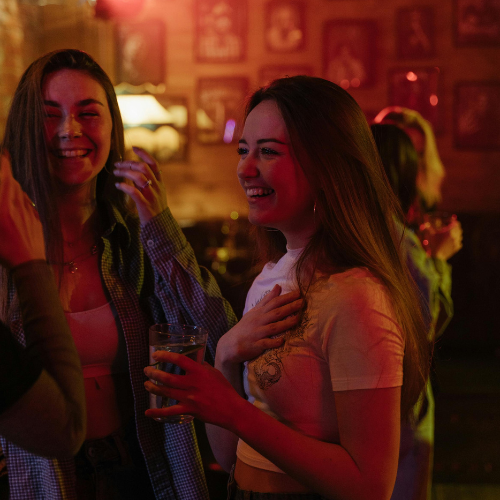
(162, 237)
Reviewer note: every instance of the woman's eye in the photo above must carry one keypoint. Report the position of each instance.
(242, 151)
(268, 151)
(89, 113)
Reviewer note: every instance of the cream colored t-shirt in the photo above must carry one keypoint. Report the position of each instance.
(348, 340)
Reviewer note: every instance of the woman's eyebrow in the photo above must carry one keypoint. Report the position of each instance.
(83, 102)
(261, 141)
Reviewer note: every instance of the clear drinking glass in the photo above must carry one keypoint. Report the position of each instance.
(183, 339)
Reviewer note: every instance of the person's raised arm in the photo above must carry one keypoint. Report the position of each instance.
(43, 399)
(188, 292)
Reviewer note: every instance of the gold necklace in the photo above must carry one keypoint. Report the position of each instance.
(72, 264)
(84, 256)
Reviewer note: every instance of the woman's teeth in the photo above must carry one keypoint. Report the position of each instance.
(259, 191)
(71, 153)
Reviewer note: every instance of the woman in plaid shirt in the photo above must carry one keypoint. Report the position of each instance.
(119, 271)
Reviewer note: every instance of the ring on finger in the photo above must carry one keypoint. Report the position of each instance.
(147, 183)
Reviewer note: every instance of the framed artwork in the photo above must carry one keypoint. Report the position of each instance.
(349, 53)
(418, 89)
(477, 22)
(221, 30)
(477, 115)
(415, 33)
(269, 73)
(220, 106)
(140, 52)
(284, 26)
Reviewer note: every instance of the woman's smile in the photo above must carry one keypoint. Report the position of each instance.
(78, 126)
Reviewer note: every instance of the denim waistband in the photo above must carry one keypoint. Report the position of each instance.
(107, 451)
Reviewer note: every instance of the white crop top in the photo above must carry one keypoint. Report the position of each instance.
(348, 340)
(99, 341)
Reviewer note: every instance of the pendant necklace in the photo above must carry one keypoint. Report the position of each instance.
(72, 264)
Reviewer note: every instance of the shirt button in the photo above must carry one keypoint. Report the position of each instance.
(151, 243)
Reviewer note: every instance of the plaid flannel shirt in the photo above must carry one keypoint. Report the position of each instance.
(152, 276)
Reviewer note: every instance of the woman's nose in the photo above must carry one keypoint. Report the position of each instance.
(70, 128)
(247, 168)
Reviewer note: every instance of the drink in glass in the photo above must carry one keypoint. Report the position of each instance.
(183, 339)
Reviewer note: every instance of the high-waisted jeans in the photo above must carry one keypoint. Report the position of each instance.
(113, 468)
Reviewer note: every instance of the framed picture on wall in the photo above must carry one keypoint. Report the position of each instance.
(477, 22)
(220, 107)
(140, 52)
(418, 89)
(477, 115)
(349, 53)
(284, 26)
(269, 73)
(221, 30)
(415, 33)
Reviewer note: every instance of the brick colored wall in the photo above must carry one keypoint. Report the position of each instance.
(206, 184)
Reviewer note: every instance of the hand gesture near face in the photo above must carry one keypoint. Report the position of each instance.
(148, 190)
(21, 234)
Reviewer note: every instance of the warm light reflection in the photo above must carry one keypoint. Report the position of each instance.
(234, 215)
(355, 82)
(411, 76)
(344, 84)
(433, 100)
(145, 109)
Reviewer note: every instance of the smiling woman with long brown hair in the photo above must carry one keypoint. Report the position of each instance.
(122, 264)
(325, 401)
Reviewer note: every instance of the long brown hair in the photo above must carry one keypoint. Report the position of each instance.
(24, 141)
(355, 206)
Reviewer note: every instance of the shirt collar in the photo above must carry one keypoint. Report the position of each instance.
(114, 222)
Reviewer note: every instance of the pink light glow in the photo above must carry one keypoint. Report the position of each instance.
(411, 76)
(229, 132)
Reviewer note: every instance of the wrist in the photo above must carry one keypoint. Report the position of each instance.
(225, 350)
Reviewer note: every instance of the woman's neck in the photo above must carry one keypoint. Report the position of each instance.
(76, 210)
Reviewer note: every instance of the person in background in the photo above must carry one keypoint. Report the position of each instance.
(121, 263)
(42, 399)
(417, 185)
(322, 419)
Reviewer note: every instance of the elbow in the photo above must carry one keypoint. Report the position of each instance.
(69, 441)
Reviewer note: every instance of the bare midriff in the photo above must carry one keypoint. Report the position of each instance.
(265, 481)
(109, 404)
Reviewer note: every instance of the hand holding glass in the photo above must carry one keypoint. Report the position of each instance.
(435, 227)
(182, 339)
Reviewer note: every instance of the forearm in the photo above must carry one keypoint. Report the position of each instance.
(222, 441)
(44, 422)
(326, 468)
(182, 286)
(62, 396)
